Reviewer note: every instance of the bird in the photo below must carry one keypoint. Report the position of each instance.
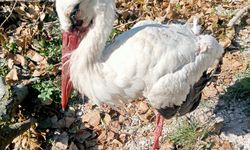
(165, 63)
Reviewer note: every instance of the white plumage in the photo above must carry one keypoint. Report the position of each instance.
(164, 63)
(159, 62)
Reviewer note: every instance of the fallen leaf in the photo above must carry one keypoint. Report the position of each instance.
(92, 118)
(225, 42)
(107, 119)
(110, 136)
(142, 107)
(32, 66)
(11, 76)
(34, 56)
(117, 143)
(10, 63)
(167, 145)
(37, 73)
(115, 126)
(19, 59)
(102, 137)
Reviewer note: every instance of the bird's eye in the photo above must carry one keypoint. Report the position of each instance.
(73, 17)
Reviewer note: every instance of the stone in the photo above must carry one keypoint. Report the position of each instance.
(69, 121)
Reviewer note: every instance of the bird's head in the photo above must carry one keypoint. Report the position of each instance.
(76, 17)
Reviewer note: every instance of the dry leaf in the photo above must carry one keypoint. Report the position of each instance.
(142, 107)
(102, 137)
(110, 136)
(167, 145)
(107, 119)
(210, 91)
(115, 126)
(34, 56)
(117, 143)
(37, 73)
(92, 118)
(225, 42)
(19, 59)
(10, 63)
(11, 76)
(32, 66)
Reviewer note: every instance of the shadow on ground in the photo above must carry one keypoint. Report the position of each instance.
(234, 108)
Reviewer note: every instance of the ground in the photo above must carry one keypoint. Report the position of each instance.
(30, 54)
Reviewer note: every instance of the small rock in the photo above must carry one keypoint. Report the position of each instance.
(73, 146)
(60, 124)
(167, 146)
(54, 119)
(61, 141)
(217, 126)
(2, 87)
(82, 135)
(69, 121)
(80, 146)
(100, 147)
(70, 112)
(79, 113)
(90, 143)
(45, 124)
(135, 121)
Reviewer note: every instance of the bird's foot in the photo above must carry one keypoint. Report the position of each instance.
(158, 130)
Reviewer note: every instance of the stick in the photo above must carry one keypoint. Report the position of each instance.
(9, 132)
(9, 14)
(238, 15)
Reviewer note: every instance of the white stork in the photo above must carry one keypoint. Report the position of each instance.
(165, 63)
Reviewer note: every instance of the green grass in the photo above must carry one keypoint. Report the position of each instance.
(3, 68)
(241, 89)
(49, 86)
(49, 90)
(187, 134)
(11, 46)
(50, 47)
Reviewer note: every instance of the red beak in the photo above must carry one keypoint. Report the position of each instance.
(70, 42)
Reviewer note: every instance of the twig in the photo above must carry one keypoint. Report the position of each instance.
(118, 26)
(9, 14)
(238, 15)
(9, 132)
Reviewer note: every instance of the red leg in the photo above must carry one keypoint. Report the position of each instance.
(158, 130)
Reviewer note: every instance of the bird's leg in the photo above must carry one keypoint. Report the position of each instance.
(158, 130)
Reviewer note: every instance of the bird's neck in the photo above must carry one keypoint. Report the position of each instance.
(90, 48)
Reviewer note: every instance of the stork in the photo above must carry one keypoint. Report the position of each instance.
(164, 63)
